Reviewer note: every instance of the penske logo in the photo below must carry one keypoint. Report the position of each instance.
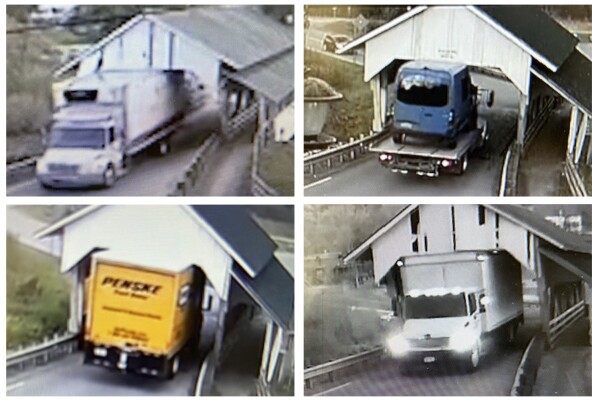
(131, 286)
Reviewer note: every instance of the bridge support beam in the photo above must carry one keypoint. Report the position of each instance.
(522, 121)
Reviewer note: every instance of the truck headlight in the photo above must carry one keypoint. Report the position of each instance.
(463, 340)
(41, 166)
(398, 345)
(99, 351)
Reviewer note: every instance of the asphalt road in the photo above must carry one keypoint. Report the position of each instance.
(69, 377)
(367, 177)
(494, 377)
(148, 175)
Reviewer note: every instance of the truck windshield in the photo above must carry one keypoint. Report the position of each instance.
(421, 90)
(77, 138)
(435, 306)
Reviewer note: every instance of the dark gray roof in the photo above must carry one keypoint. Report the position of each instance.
(535, 28)
(578, 264)
(573, 79)
(272, 78)
(536, 223)
(272, 289)
(242, 36)
(236, 227)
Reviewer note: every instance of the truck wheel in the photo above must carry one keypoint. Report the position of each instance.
(109, 176)
(164, 148)
(463, 165)
(173, 368)
(511, 330)
(473, 358)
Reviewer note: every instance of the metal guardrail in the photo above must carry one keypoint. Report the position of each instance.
(191, 175)
(561, 323)
(26, 162)
(575, 182)
(526, 374)
(328, 160)
(330, 368)
(58, 346)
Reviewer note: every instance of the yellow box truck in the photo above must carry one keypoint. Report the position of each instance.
(138, 319)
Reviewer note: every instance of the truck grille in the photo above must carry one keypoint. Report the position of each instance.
(57, 168)
(432, 343)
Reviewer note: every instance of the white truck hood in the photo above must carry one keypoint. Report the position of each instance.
(435, 327)
(77, 156)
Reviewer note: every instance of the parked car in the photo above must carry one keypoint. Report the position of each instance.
(332, 43)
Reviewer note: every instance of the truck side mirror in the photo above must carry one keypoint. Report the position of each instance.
(482, 304)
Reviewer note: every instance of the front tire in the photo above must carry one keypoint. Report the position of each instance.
(109, 176)
(473, 359)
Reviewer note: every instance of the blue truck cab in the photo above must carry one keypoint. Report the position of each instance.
(434, 100)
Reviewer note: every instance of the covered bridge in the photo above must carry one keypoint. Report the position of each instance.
(559, 260)
(537, 54)
(236, 256)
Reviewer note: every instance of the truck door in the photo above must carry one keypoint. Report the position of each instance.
(474, 313)
(114, 147)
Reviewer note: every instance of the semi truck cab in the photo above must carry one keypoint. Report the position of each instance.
(434, 99)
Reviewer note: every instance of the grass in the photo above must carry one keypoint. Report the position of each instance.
(353, 115)
(37, 296)
(275, 166)
(340, 321)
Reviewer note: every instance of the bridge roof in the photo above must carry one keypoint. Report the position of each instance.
(531, 25)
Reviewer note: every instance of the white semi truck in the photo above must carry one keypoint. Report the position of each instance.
(454, 306)
(106, 118)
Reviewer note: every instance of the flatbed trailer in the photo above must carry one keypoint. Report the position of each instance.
(431, 159)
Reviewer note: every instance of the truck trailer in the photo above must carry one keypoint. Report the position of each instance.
(106, 118)
(139, 319)
(435, 125)
(454, 306)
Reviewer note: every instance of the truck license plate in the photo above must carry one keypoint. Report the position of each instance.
(429, 359)
(406, 125)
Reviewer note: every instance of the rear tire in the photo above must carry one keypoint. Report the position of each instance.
(173, 367)
(511, 331)
(463, 165)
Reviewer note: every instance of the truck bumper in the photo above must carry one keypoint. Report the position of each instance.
(70, 181)
(419, 165)
(126, 361)
(431, 358)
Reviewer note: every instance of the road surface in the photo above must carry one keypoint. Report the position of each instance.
(367, 177)
(148, 175)
(69, 377)
(494, 376)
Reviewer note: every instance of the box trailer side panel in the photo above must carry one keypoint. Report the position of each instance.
(153, 102)
(131, 307)
(503, 285)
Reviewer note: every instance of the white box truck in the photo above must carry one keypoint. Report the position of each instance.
(454, 306)
(108, 117)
